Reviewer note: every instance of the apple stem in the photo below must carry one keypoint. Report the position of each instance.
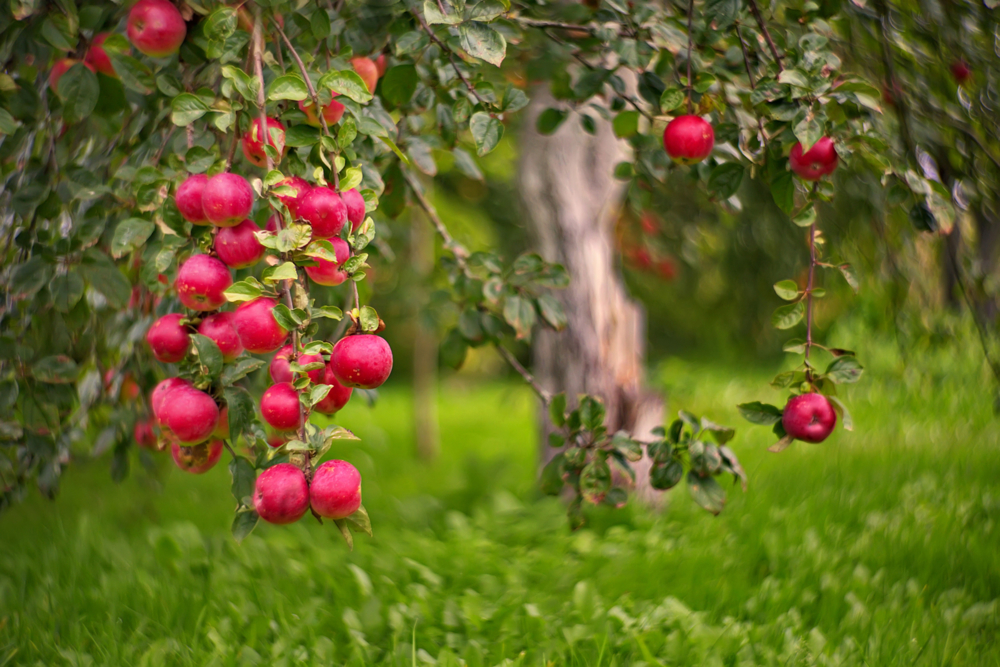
(690, 104)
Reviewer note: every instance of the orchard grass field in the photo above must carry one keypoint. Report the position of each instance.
(879, 547)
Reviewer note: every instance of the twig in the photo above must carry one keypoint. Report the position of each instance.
(524, 373)
(451, 57)
(767, 34)
(690, 103)
(746, 56)
(556, 25)
(166, 140)
(452, 246)
(258, 66)
(229, 448)
(809, 288)
(972, 311)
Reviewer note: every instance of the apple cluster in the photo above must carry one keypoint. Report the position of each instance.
(284, 493)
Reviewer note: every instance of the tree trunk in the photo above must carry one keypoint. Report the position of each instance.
(572, 201)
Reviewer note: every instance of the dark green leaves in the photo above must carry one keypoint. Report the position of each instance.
(30, 277)
(550, 120)
(243, 524)
(520, 314)
(79, 89)
(844, 370)
(244, 478)
(760, 413)
(486, 132)
(706, 492)
(722, 13)
(209, 355)
(187, 108)
(399, 84)
(786, 317)
(241, 412)
(129, 235)
(57, 369)
(725, 179)
(483, 42)
(288, 87)
(346, 83)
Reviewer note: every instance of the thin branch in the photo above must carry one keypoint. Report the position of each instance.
(746, 56)
(258, 66)
(451, 57)
(690, 103)
(809, 288)
(557, 25)
(543, 394)
(166, 140)
(450, 244)
(755, 10)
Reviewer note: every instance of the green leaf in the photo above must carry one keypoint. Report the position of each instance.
(844, 370)
(30, 277)
(486, 131)
(483, 42)
(284, 317)
(626, 124)
(134, 74)
(288, 87)
(842, 413)
(808, 131)
(786, 317)
(351, 179)
(665, 476)
(466, 164)
(706, 492)
(329, 312)
(595, 480)
(722, 13)
(241, 412)
(98, 269)
(783, 191)
(725, 179)
(275, 274)
(592, 413)
(243, 524)
(129, 235)
(806, 217)
(360, 521)
(760, 413)
(721, 434)
(794, 77)
(56, 369)
(345, 532)
(244, 479)
(242, 82)
(421, 155)
(453, 14)
(79, 89)
(187, 108)
(557, 409)
(347, 83)
(239, 370)
(550, 120)
(220, 24)
(368, 319)
(242, 291)
(551, 482)
(399, 84)
(66, 290)
(672, 98)
(552, 311)
(8, 124)
(519, 313)
(208, 354)
(787, 290)
(850, 276)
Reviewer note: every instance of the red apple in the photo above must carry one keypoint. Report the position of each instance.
(219, 327)
(227, 199)
(367, 71)
(143, 433)
(335, 490)
(280, 407)
(381, 65)
(301, 187)
(201, 281)
(815, 163)
(649, 224)
(98, 58)
(666, 268)
(196, 459)
(61, 67)
(158, 396)
(281, 494)
(333, 110)
(809, 417)
(961, 71)
(156, 28)
(130, 390)
(325, 211)
(190, 414)
(221, 431)
(327, 272)
(355, 204)
(255, 324)
(689, 139)
(238, 247)
(273, 223)
(363, 361)
(253, 141)
(280, 368)
(189, 199)
(337, 398)
(275, 440)
(168, 338)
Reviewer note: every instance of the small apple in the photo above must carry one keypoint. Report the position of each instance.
(196, 459)
(227, 199)
(355, 204)
(190, 414)
(333, 110)
(158, 396)
(809, 417)
(815, 163)
(98, 58)
(280, 368)
(381, 65)
(61, 67)
(325, 211)
(335, 490)
(255, 324)
(327, 272)
(281, 495)
(301, 187)
(130, 390)
(219, 328)
(253, 141)
(156, 28)
(201, 281)
(666, 268)
(143, 433)
(367, 70)
(961, 71)
(189, 199)
(689, 139)
(168, 338)
(280, 407)
(337, 398)
(238, 247)
(363, 361)
(649, 224)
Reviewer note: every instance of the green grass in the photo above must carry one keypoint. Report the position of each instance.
(880, 547)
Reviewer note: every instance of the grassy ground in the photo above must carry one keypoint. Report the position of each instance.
(881, 547)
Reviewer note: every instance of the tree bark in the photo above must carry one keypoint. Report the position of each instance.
(572, 200)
